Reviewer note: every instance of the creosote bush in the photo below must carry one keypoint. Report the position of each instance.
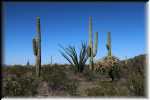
(136, 75)
(114, 72)
(17, 70)
(136, 85)
(58, 81)
(89, 75)
(107, 88)
(19, 86)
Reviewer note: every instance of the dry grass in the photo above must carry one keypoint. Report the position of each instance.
(61, 80)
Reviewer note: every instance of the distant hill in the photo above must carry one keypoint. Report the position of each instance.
(135, 65)
(138, 58)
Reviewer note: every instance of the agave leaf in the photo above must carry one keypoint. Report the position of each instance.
(72, 57)
(67, 58)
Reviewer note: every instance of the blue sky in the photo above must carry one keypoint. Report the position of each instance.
(67, 23)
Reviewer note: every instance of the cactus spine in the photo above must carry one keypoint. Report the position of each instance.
(37, 48)
(108, 45)
(92, 52)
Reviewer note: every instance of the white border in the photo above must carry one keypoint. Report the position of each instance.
(75, 98)
(148, 46)
(109, 98)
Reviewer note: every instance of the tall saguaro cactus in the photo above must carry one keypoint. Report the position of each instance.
(126, 60)
(108, 45)
(37, 48)
(51, 60)
(92, 50)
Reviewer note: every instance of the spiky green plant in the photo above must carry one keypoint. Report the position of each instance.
(37, 48)
(108, 45)
(77, 61)
(92, 50)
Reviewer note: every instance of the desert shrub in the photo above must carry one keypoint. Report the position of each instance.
(58, 80)
(136, 84)
(19, 86)
(71, 87)
(89, 75)
(108, 66)
(137, 64)
(101, 71)
(114, 72)
(135, 74)
(106, 88)
(10, 87)
(17, 70)
(96, 91)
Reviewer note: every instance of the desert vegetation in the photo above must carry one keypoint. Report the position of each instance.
(109, 76)
(61, 80)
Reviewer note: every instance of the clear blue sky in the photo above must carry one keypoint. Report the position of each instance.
(67, 23)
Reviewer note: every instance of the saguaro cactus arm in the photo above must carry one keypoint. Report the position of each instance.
(95, 44)
(34, 46)
(38, 28)
(108, 45)
(90, 31)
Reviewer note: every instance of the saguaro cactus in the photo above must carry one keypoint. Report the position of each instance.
(51, 60)
(108, 45)
(92, 51)
(126, 60)
(37, 48)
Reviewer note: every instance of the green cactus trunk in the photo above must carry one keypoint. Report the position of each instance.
(91, 63)
(92, 52)
(51, 60)
(108, 45)
(126, 60)
(37, 48)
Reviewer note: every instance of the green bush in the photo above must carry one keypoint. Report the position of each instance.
(136, 84)
(114, 72)
(71, 87)
(96, 91)
(89, 75)
(10, 87)
(135, 74)
(58, 80)
(19, 86)
(17, 70)
(104, 89)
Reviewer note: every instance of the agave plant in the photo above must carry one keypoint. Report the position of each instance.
(76, 61)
